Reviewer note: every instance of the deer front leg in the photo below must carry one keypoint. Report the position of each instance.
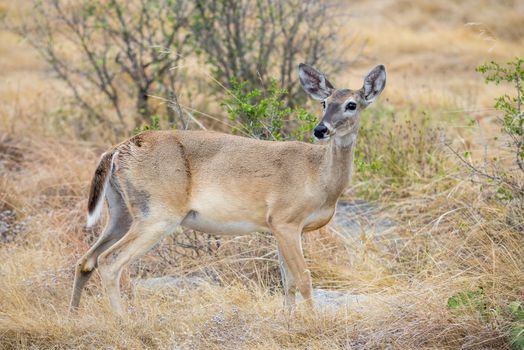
(288, 282)
(290, 247)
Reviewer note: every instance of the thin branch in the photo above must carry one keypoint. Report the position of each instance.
(499, 179)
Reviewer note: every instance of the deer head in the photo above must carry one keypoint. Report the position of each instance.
(342, 108)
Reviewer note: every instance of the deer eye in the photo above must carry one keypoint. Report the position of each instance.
(323, 103)
(351, 106)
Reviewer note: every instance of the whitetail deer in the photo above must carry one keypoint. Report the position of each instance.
(224, 184)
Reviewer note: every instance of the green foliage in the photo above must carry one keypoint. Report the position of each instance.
(504, 194)
(155, 125)
(512, 72)
(512, 118)
(468, 300)
(263, 114)
(474, 301)
(516, 312)
(517, 336)
(516, 309)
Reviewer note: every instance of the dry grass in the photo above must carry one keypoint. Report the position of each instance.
(449, 237)
(451, 241)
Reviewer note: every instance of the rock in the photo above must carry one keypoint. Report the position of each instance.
(170, 282)
(4, 227)
(354, 218)
(329, 299)
(324, 299)
(10, 228)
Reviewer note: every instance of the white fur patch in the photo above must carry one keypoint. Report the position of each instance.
(319, 215)
(93, 217)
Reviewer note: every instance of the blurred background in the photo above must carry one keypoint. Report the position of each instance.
(426, 249)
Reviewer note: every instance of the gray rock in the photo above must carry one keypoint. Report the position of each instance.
(354, 218)
(4, 227)
(170, 282)
(10, 228)
(329, 299)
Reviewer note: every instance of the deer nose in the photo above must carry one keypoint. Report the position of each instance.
(320, 131)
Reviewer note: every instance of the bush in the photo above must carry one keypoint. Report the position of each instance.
(263, 114)
(504, 180)
(512, 122)
(113, 49)
(251, 41)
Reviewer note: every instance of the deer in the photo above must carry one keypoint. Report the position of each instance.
(224, 184)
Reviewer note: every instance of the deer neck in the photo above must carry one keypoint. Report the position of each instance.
(339, 163)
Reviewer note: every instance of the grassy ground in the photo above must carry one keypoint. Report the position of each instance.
(453, 238)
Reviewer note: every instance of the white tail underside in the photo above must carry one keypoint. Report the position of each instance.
(93, 217)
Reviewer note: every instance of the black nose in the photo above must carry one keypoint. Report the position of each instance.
(320, 131)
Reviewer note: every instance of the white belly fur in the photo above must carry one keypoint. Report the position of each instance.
(203, 224)
(319, 216)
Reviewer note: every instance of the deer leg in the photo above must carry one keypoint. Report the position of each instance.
(288, 282)
(118, 225)
(140, 238)
(290, 245)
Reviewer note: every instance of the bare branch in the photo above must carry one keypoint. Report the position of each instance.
(498, 179)
(255, 40)
(115, 49)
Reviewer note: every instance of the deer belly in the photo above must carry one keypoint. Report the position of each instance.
(209, 224)
(318, 219)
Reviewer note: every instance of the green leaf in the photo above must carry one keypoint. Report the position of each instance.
(517, 310)
(467, 300)
(517, 336)
(262, 113)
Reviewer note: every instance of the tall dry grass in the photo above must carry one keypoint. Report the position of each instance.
(450, 240)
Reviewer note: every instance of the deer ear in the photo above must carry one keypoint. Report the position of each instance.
(314, 82)
(374, 83)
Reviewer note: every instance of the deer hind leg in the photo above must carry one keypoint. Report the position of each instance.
(119, 223)
(290, 247)
(140, 238)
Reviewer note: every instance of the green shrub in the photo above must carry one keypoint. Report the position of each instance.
(254, 40)
(155, 125)
(466, 303)
(516, 312)
(123, 54)
(510, 106)
(509, 183)
(263, 114)
(517, 336)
